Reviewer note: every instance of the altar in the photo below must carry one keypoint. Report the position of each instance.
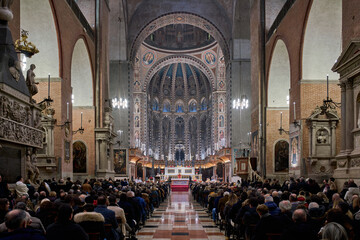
(179, 184)
(185, 172)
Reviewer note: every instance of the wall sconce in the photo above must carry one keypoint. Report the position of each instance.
(81, 129)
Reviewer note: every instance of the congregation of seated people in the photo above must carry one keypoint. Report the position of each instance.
(296, 209)
(93, 209)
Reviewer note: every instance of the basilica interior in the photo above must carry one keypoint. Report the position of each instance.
(208, 90)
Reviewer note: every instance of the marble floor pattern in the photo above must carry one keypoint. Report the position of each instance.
(179, 217)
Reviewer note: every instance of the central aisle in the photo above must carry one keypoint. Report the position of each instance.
(180, 217)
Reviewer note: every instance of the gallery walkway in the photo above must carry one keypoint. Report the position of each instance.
(180, 217)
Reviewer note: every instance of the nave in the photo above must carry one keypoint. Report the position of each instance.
(180, 217)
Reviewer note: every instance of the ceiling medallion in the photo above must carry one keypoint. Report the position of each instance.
(209, 57)
(179, 18)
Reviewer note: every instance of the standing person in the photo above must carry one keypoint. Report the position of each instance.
(20, 187)
(64, 228)
(4, 208)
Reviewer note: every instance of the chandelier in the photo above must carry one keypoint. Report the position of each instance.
(121, 103)
(241, 103)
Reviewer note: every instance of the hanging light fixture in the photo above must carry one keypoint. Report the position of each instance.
(121, 103)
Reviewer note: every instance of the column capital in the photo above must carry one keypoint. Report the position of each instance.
(349, 84)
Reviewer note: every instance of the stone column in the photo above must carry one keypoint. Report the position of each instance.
(343, 118)
(333, 139)
(313, 140)
(349, 117)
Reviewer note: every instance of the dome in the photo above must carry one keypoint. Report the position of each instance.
(182, 83)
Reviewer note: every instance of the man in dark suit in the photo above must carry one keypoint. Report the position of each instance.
(266, 224)
(109, 215)
(300, 230)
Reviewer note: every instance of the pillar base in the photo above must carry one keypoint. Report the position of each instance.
(105, 174)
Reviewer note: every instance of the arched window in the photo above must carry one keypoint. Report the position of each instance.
(192, 106)
(166, 107)
(79, 157)
(179, 107)
(281, 156)
(155, 105)
(203, 104)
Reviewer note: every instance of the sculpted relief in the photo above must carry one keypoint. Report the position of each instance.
(17, 123)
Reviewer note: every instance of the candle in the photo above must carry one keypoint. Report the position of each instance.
(81, 119)
(327, 86)
(67, 111)
(294, 111)
(49, 86)
(280, 120)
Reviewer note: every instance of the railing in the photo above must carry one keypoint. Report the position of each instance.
(253, 173)
(75, 8)
(280, 17)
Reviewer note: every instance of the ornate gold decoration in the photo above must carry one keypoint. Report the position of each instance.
(25, 47)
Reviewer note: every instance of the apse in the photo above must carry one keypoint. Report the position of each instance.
(179, 114)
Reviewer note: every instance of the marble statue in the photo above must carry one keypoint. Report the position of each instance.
(30, 80)
(32, 172)
(5, 12)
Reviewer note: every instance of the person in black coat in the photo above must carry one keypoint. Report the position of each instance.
(266, 224)
(299, 230)
(64, 228)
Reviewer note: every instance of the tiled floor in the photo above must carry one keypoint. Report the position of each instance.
(180, 217)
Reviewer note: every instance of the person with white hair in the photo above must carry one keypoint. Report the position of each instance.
(316, 214)
(334, 231)
(274, 210)
(285, 214)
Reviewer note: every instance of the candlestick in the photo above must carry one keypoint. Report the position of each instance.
(67, 111)
(49, 86)
(81, 120)
(280, 120)
(327, 86)
(294, 111)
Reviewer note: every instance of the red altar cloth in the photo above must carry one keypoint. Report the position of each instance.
(179, 185)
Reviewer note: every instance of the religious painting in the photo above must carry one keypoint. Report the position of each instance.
(137, 139)
(254, 144)
(210, 58)
(137, 121)
(221, 135)
(294, 151)
(221, 121)
(221, 84)
(281, 156)
(137, 107)
(79, 157)
(120, 159)
(148, 58)
(221, 106)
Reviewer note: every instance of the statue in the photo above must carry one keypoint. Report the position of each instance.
(5, 12)
(322, 138)
(14, 68)
(32, 172)
(30, 80)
